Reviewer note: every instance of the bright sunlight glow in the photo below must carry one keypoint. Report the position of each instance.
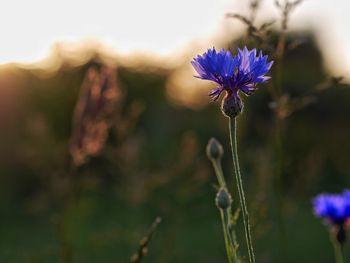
(29, 29)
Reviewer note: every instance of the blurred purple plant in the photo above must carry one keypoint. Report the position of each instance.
(335, 209)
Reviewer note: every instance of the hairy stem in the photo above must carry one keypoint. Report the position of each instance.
(245, 215)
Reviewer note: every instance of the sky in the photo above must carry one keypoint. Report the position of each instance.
(29, 29)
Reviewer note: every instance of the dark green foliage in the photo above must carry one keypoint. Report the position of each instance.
(159, 167)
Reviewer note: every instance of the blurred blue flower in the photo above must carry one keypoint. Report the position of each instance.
(333, 207)
(239, 73)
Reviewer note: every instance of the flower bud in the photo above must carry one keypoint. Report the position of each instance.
(223, 199)
(214, 149)
(341, 235)
(231, 105)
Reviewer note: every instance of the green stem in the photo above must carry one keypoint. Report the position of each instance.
(338, 252)
(225, 216)
(245, 215)
(231, 235)
(226, 237)
(219, 173)
(279, 143)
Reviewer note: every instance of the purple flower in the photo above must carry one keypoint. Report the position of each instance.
(239, 73)
(333, 207)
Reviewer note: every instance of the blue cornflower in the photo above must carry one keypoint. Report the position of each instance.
(232, 74)
(333, 207)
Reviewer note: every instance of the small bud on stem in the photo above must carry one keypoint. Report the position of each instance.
(231, 105)
(214, 149)
(223, 199)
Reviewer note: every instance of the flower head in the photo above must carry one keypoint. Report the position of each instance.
(333, 207)
(251, 70)
(239, 73)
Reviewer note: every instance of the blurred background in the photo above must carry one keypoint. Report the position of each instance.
(103, 128)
